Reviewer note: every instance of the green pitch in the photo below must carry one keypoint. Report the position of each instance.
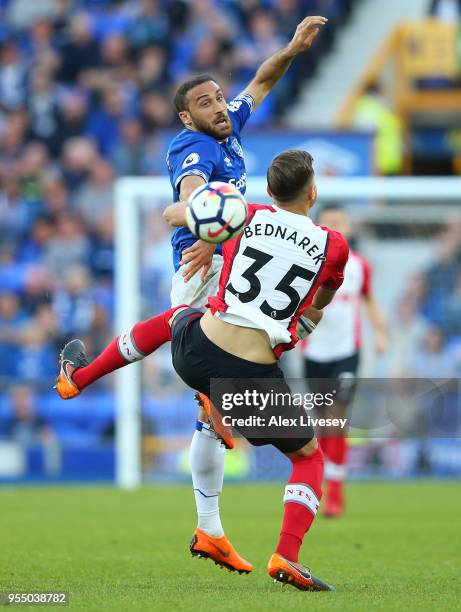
(398, 548)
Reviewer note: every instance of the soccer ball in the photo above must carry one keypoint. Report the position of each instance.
(216, 212)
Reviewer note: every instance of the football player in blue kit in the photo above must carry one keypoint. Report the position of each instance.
(209, 149)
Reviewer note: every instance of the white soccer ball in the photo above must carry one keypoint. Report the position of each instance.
(216, 212)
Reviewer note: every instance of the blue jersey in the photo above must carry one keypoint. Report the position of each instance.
(195, 153)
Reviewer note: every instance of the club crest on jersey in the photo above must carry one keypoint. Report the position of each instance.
(228, 161)
(236, 146)
(193, 158)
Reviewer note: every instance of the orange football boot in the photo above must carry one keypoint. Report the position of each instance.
(72, 356)
(288, 572)
(220, 550)
(224, 432)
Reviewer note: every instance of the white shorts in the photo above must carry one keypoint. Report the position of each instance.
(195, 293)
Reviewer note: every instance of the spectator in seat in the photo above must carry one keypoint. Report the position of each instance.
(38, 288)
(13, 75)
(73, 303)
(373, 113)
(41, 47)
(150, 26)
(114, 51)
(102, 253)
(12, 143)
(78, 157)
(42, 104)
(129, 155)
(55, 194)
(69, 247)
(12, 320)
(453, 310)
(152, 69)
(72, 117)
(80, 52)
(157, 111)
(104, 121)
(33, 247)
(440, 278)
(14, 210)
(26, 427)
(34, 163)
(96, 196)
(408, 331)
(431, 360)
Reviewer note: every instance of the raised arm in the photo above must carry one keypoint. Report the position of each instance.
(276, 65)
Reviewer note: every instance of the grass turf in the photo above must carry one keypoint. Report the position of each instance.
(396, 549)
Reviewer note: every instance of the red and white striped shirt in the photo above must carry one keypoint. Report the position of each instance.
(273, 269)
(339, 333)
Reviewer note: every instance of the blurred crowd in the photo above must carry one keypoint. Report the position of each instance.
(85, 87)
(427, 330)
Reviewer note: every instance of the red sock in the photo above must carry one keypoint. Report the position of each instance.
(335, 465)
(337, 450)
(335, 472)
(302, 498)
(133, 345)
(325, 446)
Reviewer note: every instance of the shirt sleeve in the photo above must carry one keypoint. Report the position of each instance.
(198, 158)
(338, 253)
(240, 109)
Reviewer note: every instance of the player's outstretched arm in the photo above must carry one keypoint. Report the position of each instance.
(276, 65)
(175, 214)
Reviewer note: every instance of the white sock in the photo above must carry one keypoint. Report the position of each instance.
(207, 455)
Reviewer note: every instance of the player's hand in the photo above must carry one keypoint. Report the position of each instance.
(306, 33)
(314, 314)
(198, 256)
(381, 342)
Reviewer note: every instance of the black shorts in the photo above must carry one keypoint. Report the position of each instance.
(339, 376)
(209, 369)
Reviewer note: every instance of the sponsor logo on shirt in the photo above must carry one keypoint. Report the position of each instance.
(240, 183)
(191, 159)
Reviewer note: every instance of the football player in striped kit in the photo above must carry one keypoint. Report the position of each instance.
(331, 355)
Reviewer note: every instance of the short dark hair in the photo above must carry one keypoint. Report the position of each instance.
(180, 97)
(290, 173)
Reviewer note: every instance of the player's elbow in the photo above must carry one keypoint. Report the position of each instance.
(169, 216)
(166, 214)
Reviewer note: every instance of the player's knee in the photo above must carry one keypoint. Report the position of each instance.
(175, 314)
(305, 451)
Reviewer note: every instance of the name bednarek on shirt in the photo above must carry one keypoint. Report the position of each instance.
(279, 421)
